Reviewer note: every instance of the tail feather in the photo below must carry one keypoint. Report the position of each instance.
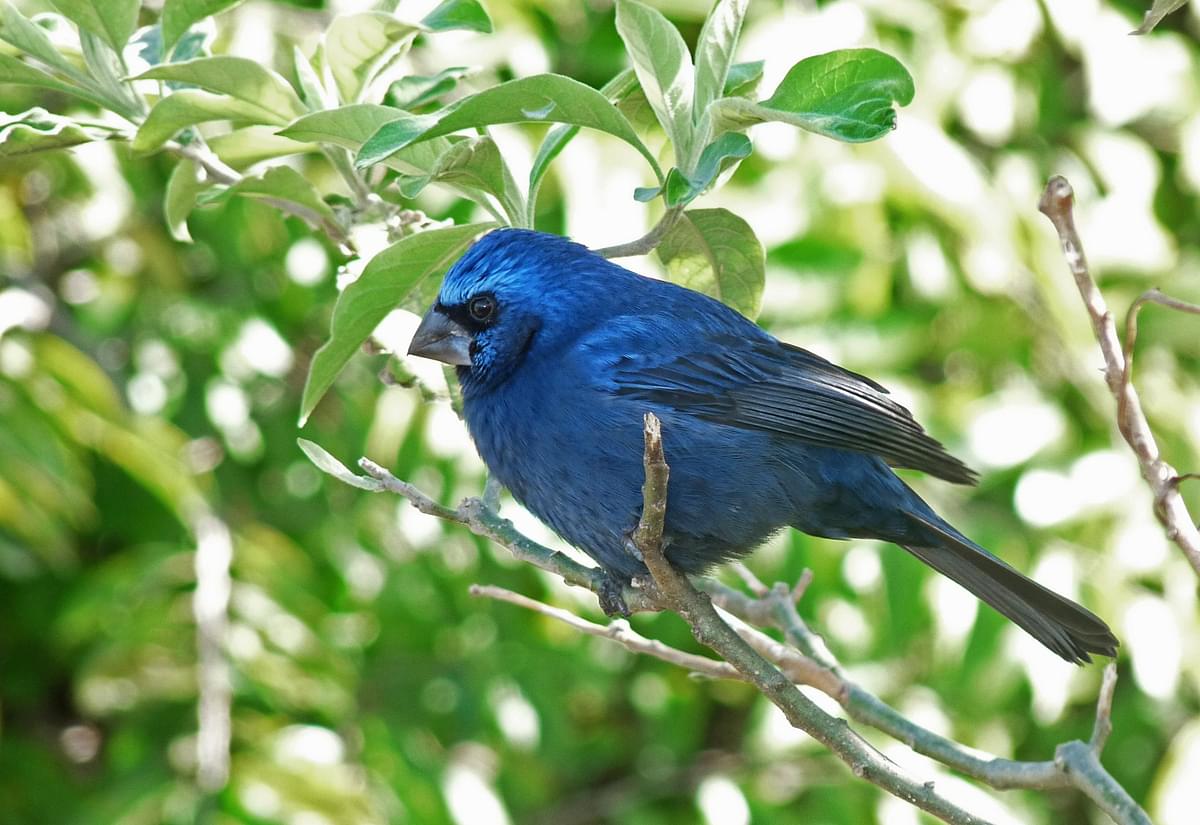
(1071, 631)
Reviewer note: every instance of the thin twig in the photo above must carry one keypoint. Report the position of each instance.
(1057, 204)
(617, 630)
(473, 514)
(648, 242)
(708, 628)
(1150, 296)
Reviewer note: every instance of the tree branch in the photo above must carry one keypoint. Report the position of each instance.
(1057, 204)
(648, 242)
(768, 663)
(708, 628)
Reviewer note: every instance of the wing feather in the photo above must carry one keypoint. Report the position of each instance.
(763, 384)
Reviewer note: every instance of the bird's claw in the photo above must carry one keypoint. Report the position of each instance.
(612, 597)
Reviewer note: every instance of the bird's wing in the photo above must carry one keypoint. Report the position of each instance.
(760, 383)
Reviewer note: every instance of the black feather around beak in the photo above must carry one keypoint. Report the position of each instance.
(440, 338)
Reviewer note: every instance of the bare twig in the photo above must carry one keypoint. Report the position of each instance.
(1057, 204)
(648, 242)
(482, 521)
(708, 628)
(618, 630)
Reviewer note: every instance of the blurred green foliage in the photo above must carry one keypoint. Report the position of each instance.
(144, 382)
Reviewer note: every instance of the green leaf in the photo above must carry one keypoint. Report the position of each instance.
(252, 144)
(240, 78)
(557, 138)
(714, 52)
(358, 45)
(187, 108)
(29, 37)
(476, 163)
(37, 130)
(184, 185)
(715, 252)
(283, 183)
(111, 20)
(541, 98)
(346, 126)
(743, 79)
(458, 14)
(417, 90)
(847, 95)
(1158, 11)
(350, 126)
(105, 70)
(312, 87)
(664, 69)
(326, 463)
(716, 157)
(179, 15)
(391, 276)
(15, 71)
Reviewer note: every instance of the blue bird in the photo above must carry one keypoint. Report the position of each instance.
(560, 352)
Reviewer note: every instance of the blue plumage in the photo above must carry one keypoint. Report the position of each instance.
(559, 354)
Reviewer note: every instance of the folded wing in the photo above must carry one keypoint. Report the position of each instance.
(764, 384)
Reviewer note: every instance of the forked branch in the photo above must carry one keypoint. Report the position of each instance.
(1057, 204)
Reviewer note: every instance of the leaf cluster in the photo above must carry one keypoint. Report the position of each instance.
(390, 135)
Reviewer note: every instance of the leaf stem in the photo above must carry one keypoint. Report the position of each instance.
(648, 242)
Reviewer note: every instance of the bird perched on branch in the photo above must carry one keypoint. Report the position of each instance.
(560, 352)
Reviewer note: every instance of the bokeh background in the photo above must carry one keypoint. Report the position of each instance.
(149, 392)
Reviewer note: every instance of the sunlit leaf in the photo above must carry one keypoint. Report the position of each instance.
(458, 14)
(417, 90)
(664, 69)
(252, 144)
(37, 130)
(546, 98)
(179, 15)
(187, 108)
(358, 45)
(326, 463)
(15, 71)
(714, 52)
(849, 95)
(29, 37)
(240, 78)
(743, 79)
(476, 163)
(716, 157)
(185, 183)
(715, 252)
(557, 138)
(111, 20)
(283, 183)
(312, 86)
(350, 126)
(389, 278)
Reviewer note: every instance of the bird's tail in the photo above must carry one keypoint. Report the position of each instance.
(1068, 629)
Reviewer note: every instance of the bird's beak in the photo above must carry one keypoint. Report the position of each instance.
(441, 339)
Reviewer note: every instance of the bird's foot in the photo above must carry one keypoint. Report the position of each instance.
(611, 595)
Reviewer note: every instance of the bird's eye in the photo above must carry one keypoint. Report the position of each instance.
(482, 308)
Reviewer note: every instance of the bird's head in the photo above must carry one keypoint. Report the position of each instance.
(514, 295)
